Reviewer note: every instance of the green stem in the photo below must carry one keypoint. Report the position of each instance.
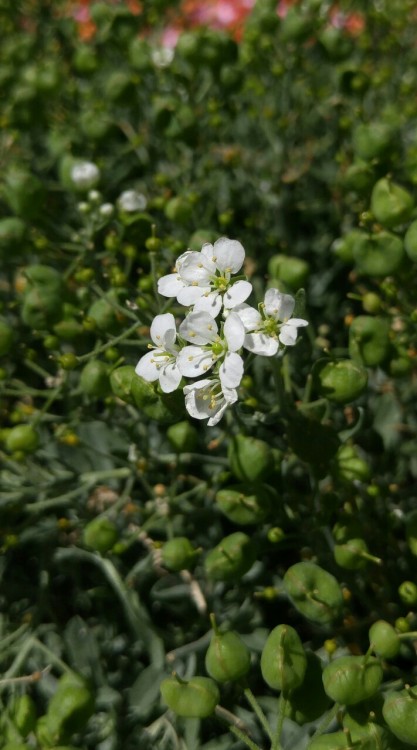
(327, 720)
(235, 727)
(282, 703)
(51, 398)
(108, 344)
(258, 711)
(152, 259)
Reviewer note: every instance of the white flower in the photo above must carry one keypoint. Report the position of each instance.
(161, 363)
(264, 332)
(203, 279)
(131, 201)
(208, 399)
(106, 210)
(210, 347)
(85, 175)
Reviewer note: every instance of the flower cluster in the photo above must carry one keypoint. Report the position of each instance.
(217, 327)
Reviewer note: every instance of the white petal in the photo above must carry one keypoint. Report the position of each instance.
(207, 251)
(170, 285)
(279, 306)
(197, 398)
(250, 317)
(169, 341)
(193, 361)
(234, 332)
(260, 343)
(288, 334)
(211, 303)
(298, 322)
(181, 259)
(188, 295)
(199, 328)
(169, 377)
(161, 324)
(229, 255)
(197, 268)
(148, 366)
(231, 370)
(230, 396)
(237, 293)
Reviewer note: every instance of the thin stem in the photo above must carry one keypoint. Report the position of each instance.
(108, 344)
(282, 703)
(235, 726)
(258, 711)
(331, 714)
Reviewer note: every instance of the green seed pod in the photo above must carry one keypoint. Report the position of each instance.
(12, 233)
(121, 380)
(100, 534)
(378, 255)
(231, 559)
(410, 241)
(295, 26)
(350, 466)
(227, 657)
(293, 272)
(372, 140)
(196, 698)
(23, 437)
(411, 531)
(40, 309)
(341, 381)
(68, 361)
(104, 314)
(178, 210)
(94, 379)
(352, 554)
(183, 436)
(352, 679)
(344, 247)
(384, 639)
(165, 408)
(408, 593)
(335, 42)
(369, 341)
(69, 708)
(283, 659)
(178, 554)
(359, 177)
(69, 329)
(23, 192)
(390, 203)
(314, 592)
(309, 701)
(23, 713)
(140, 54)
(400, 713)
(6, 338)
(245, 504)
(250, 459)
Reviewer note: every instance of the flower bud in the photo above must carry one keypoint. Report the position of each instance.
(84, 175)
(314, 592)
(131, 201)
(283, 659)
(196, 698)
(352, 679)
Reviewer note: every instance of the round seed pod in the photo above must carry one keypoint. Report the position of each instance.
(352, 679)
(391, 204)
(250, 459)
(196, 698)
(94, 379)
(351, 554)
(23, 437)
(100, 534)
(378, 255)
(341, 381)
(227, 657)
(183, 436)
(400, 713)
(372, 140)
(231, 559)
(410, 241)
(384, 639)
(178, 554)
(283, 659)
(245, 504)
(70, 707)
(369, 341)
(314, 592)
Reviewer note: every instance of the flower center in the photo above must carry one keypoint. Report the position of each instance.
(217, 348)
(270, 327)
(221, 283)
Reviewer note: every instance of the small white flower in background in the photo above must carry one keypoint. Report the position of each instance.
(130, 201)
(106, 210)
(203, 279)
(208, 399)
(161, 363)
(265, 332)
(210, 347)
(85, 175)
